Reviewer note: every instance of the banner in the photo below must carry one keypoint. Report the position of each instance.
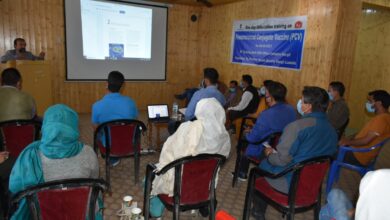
(270, 42)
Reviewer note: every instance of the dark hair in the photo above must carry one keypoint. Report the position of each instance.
(266, 82)
(211, 74)
(277, 90)
(234, 82)
(382, 96)
(338, 86)
(18, 39)
(10, 77)
(115, 81)
(317, 97)
(247, 78)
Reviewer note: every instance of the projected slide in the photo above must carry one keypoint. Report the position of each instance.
(113, 31)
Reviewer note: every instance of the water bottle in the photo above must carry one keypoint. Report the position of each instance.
(175, 110)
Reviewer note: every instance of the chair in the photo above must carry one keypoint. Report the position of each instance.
(62, 199)
(339, 162)
(304, 192)
(122, 139)
(341, 130)
(193, 185)
(273, 140)
(18, 134)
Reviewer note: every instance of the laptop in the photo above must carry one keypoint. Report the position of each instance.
(158, 113)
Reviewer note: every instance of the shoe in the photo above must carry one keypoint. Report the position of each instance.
(241, 177)
(204, 212)
(114, 161)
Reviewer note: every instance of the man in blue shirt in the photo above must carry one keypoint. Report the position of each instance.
(20, 52)
(211, 91)
(312, 136)
(113, 105)
(274, 119)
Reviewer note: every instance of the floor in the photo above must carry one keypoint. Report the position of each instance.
(229, 199)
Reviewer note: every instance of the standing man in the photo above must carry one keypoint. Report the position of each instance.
(20, 52)
(338, 111)
(14, 104)
(113, 105)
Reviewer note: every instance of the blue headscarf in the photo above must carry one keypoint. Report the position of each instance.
(60, 136)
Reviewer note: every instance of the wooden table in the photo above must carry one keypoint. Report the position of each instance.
(157, 145)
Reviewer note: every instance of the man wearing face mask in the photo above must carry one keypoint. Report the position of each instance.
(309, 137)
(374, 132)
(233, 95)
(338, 111)
(274, 119)
(20, 52)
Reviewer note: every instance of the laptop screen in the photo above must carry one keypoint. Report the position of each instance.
(157, 111)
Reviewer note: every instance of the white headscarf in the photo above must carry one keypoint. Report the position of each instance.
(207, 134)
(374, 199)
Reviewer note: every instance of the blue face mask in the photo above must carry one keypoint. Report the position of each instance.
(299, 107)
(262, 91)
(370, 107)
(232, 90)
(330, 96)
(241, 85)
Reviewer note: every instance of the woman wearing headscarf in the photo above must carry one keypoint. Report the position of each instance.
(207, 134)
(58, 155)
(374, 196)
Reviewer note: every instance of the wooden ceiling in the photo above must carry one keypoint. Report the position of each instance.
(197, 2)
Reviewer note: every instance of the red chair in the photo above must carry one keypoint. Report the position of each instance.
(122, 138)
(193, 186)
(63, 199)
(304, 193)
(18, 134)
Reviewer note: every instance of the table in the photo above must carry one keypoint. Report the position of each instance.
(158, 125)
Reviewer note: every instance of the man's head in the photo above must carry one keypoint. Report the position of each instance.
(11, 77)
(336, 90)
(115, 81)
(246, 80)
(378, 101)
(210, 76)
(275, 92)
(314, 99)
(20, 45)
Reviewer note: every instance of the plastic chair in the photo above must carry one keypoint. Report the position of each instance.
(222, 215)
(18, 134)
(63, 199)
(273, 140)
(339, 162)
(304, 192)
(122, 138)
(194, 184)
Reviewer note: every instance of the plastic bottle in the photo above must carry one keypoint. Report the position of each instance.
(175, 110)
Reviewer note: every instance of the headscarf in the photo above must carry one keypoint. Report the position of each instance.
(374, 196)
(207, 134)
(60, 136)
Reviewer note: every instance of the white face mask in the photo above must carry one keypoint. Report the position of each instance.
(262, 91)
(370, 107)
(299, 107)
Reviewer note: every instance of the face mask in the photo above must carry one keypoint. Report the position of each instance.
(299, 107)
(262, 91)
(202, 84)
(370, 107)
(330, 96)
(232, 90)
(22, 50)
(241, 85)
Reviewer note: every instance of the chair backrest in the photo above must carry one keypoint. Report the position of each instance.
(195, 177)
(123, 137)
(63, 199)
(307, 180)
(18, 134)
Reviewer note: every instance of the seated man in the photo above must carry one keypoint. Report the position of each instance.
(306, 138)
(210, 91)
(374, 132)
(274, 119)
(249, 101)
(233, 95)
(338, 111)
(6, 164)
(14, 103)
(20, 53)
(113, 105)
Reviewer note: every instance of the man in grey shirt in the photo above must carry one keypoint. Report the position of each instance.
(20, 52)
(338, 111)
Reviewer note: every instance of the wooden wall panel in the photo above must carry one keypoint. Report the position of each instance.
(383, 3)
(371, 68)
(41, 23)
(321, 44)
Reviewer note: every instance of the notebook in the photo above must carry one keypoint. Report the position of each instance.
(158, 113)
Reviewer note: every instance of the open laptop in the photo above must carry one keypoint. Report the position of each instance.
(158, 113)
